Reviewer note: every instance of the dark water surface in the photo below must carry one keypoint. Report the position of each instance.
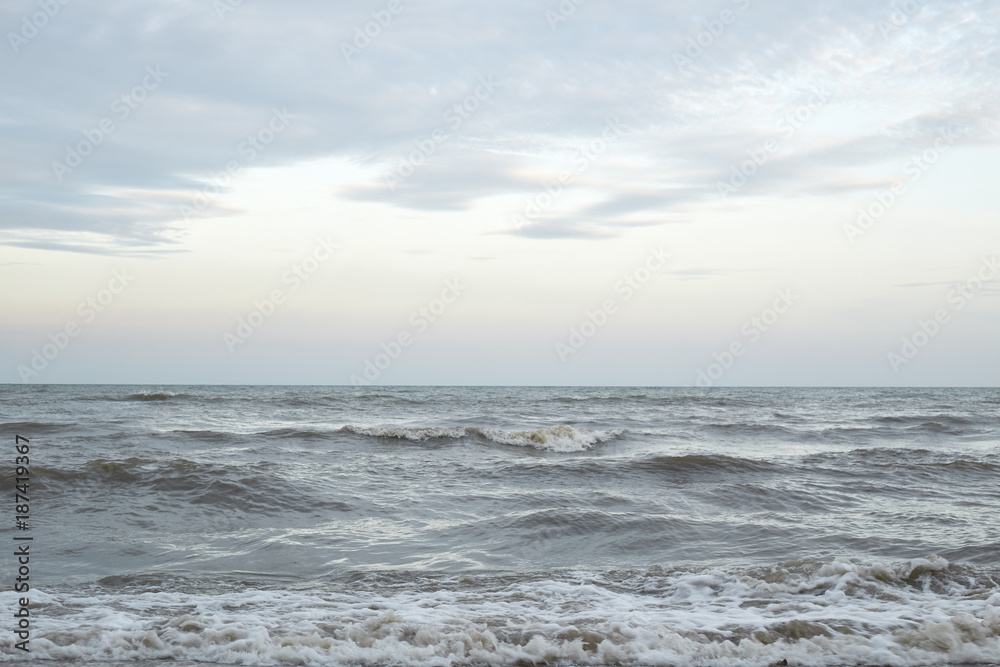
(452, 525)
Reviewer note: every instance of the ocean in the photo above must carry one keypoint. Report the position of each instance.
(263, 525)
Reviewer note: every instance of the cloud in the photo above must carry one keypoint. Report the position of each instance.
(561, 229)
(451, 180)
(559, 86)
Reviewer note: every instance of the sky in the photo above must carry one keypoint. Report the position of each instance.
(712, 193)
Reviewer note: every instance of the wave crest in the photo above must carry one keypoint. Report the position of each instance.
(560, 438)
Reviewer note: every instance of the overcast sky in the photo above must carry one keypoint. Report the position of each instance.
(734, 192)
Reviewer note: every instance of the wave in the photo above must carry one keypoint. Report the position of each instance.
(395, 398)
(917, 612)
(923, 420)
(707, 463)
(311, 401)
(901, 458)
(256, 488)
(797, 430)
(154, 396)
(561, 438)
(679, 400)
(27, 429)
(687, 432)
(752, 428)
(295, 433)
(206, 434)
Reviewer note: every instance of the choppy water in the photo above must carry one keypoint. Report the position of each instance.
(437, 526)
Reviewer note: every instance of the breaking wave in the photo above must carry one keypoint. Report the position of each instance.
(561, 438)
(918, 612)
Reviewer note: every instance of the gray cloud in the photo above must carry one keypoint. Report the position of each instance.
(561, 229)
(687, 128)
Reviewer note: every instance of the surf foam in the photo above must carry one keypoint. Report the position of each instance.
(918, 612)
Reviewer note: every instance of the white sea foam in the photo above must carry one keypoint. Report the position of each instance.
(409, 433)
(561, 438)
(918, 612)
